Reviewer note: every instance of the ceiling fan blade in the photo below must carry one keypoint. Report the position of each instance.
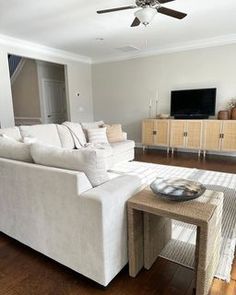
(116, 9)
(136, 22)
(164, 1)
(171, 12)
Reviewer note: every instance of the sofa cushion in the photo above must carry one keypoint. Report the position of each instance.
(77, 133)
(91, 125)
(97, 135)
(88, 160)
(66, 138)
(122, 146)
(12, 132)
(46, 133)
(15, 150)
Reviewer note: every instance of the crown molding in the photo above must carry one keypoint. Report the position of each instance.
(174, 48)
(12, 45)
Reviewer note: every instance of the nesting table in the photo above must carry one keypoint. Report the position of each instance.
(149, 230)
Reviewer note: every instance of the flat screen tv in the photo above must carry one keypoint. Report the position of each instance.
(195, 103)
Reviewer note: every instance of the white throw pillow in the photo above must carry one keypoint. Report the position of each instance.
(91, 125)
(98, 135)
(14, 150)
(88, 160)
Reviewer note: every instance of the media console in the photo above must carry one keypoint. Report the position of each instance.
(200, 135)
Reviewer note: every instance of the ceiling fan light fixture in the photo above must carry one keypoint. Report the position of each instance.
(146, 14)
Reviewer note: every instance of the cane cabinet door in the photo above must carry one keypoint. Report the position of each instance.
(161, 132)
(194, 134)
(228, 136)
(148, 132)
(177, 133)
(212, 135)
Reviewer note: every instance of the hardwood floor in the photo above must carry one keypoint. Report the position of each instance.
(212, 162)
(26, 272)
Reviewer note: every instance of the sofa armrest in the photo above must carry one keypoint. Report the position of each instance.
(107, 205)
(115, 191)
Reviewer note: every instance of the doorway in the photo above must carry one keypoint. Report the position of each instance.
(38, 91)
(54, 101)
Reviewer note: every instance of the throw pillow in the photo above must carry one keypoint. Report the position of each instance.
(14, 150)
(114, 133)
(91, 125)
(97, 136)
(90, 161)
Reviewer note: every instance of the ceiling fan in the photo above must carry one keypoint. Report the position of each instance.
(149, 8)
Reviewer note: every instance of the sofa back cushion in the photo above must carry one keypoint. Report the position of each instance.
(12, 132)
(14, 150)
(46, 133)
(66, 138)
(88, 160)
(91, 125)
(77, 133)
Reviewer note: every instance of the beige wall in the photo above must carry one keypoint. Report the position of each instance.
(25, 91)
(80, 82)
(51, 71)
(122, 90)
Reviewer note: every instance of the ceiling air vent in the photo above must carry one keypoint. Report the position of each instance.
(128, 49)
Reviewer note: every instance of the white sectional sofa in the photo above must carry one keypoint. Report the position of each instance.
(58, 213)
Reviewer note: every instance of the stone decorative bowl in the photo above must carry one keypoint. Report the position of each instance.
(177, 189)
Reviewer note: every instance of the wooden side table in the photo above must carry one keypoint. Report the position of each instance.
(149, 230)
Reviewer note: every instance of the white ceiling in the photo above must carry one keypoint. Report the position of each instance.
(73, 25)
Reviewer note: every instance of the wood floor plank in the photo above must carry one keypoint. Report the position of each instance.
(233, 272)
(180, 282)
(190, 288)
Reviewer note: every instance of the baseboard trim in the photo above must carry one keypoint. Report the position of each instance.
(140, 145)
(27, 121)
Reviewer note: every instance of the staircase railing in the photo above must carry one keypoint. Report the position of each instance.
(13, 61)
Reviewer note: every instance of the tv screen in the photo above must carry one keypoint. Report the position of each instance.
(193, 102)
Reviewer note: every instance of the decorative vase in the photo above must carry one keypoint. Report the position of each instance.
(224, 115)
(233, 113)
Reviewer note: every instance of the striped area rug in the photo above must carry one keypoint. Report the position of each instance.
(182, 246)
